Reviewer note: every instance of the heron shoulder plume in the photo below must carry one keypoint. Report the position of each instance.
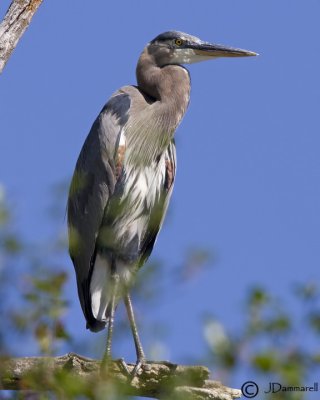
(124, 177)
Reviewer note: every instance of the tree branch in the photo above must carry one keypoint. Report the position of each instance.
(16, 21)
(156, 379)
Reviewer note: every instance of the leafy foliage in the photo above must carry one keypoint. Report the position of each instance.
(269, 346)
(44, 307)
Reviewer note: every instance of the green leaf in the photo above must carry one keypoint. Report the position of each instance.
(258, 297)
(12, 244)
(265, 362)
(279, 324)
(314, 321)
(60, 331)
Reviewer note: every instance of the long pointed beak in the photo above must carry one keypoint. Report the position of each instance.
(217, 50)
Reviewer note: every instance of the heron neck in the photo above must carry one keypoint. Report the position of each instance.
(169, 85)
(167, 91)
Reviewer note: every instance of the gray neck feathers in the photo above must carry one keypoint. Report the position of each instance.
(153, 128)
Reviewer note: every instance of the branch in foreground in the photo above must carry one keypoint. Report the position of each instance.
(16, 21)
(82, 376)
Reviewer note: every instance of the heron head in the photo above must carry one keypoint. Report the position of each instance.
(175, 47)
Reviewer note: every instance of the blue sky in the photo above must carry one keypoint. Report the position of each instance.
(248, 177)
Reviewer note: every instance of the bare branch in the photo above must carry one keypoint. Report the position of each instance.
(156, 379)
(15, 22)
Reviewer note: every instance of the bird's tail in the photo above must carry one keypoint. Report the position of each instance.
(100, 289)
(99, 294)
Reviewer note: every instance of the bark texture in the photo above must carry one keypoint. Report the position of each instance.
(156, 379)
(16, 21)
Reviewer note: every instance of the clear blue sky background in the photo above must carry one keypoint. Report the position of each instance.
(248, 149)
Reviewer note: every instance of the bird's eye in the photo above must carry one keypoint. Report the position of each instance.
(178, 42)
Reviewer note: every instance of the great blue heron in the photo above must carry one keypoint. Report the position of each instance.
(124, 177)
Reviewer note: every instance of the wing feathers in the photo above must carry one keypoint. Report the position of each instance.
(100, 224)
(92, 185)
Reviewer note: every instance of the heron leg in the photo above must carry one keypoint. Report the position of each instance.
(115, 283)
(141, 359)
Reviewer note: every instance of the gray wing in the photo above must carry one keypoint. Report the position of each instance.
(92, 185)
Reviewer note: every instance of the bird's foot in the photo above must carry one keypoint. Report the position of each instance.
(141, 365)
